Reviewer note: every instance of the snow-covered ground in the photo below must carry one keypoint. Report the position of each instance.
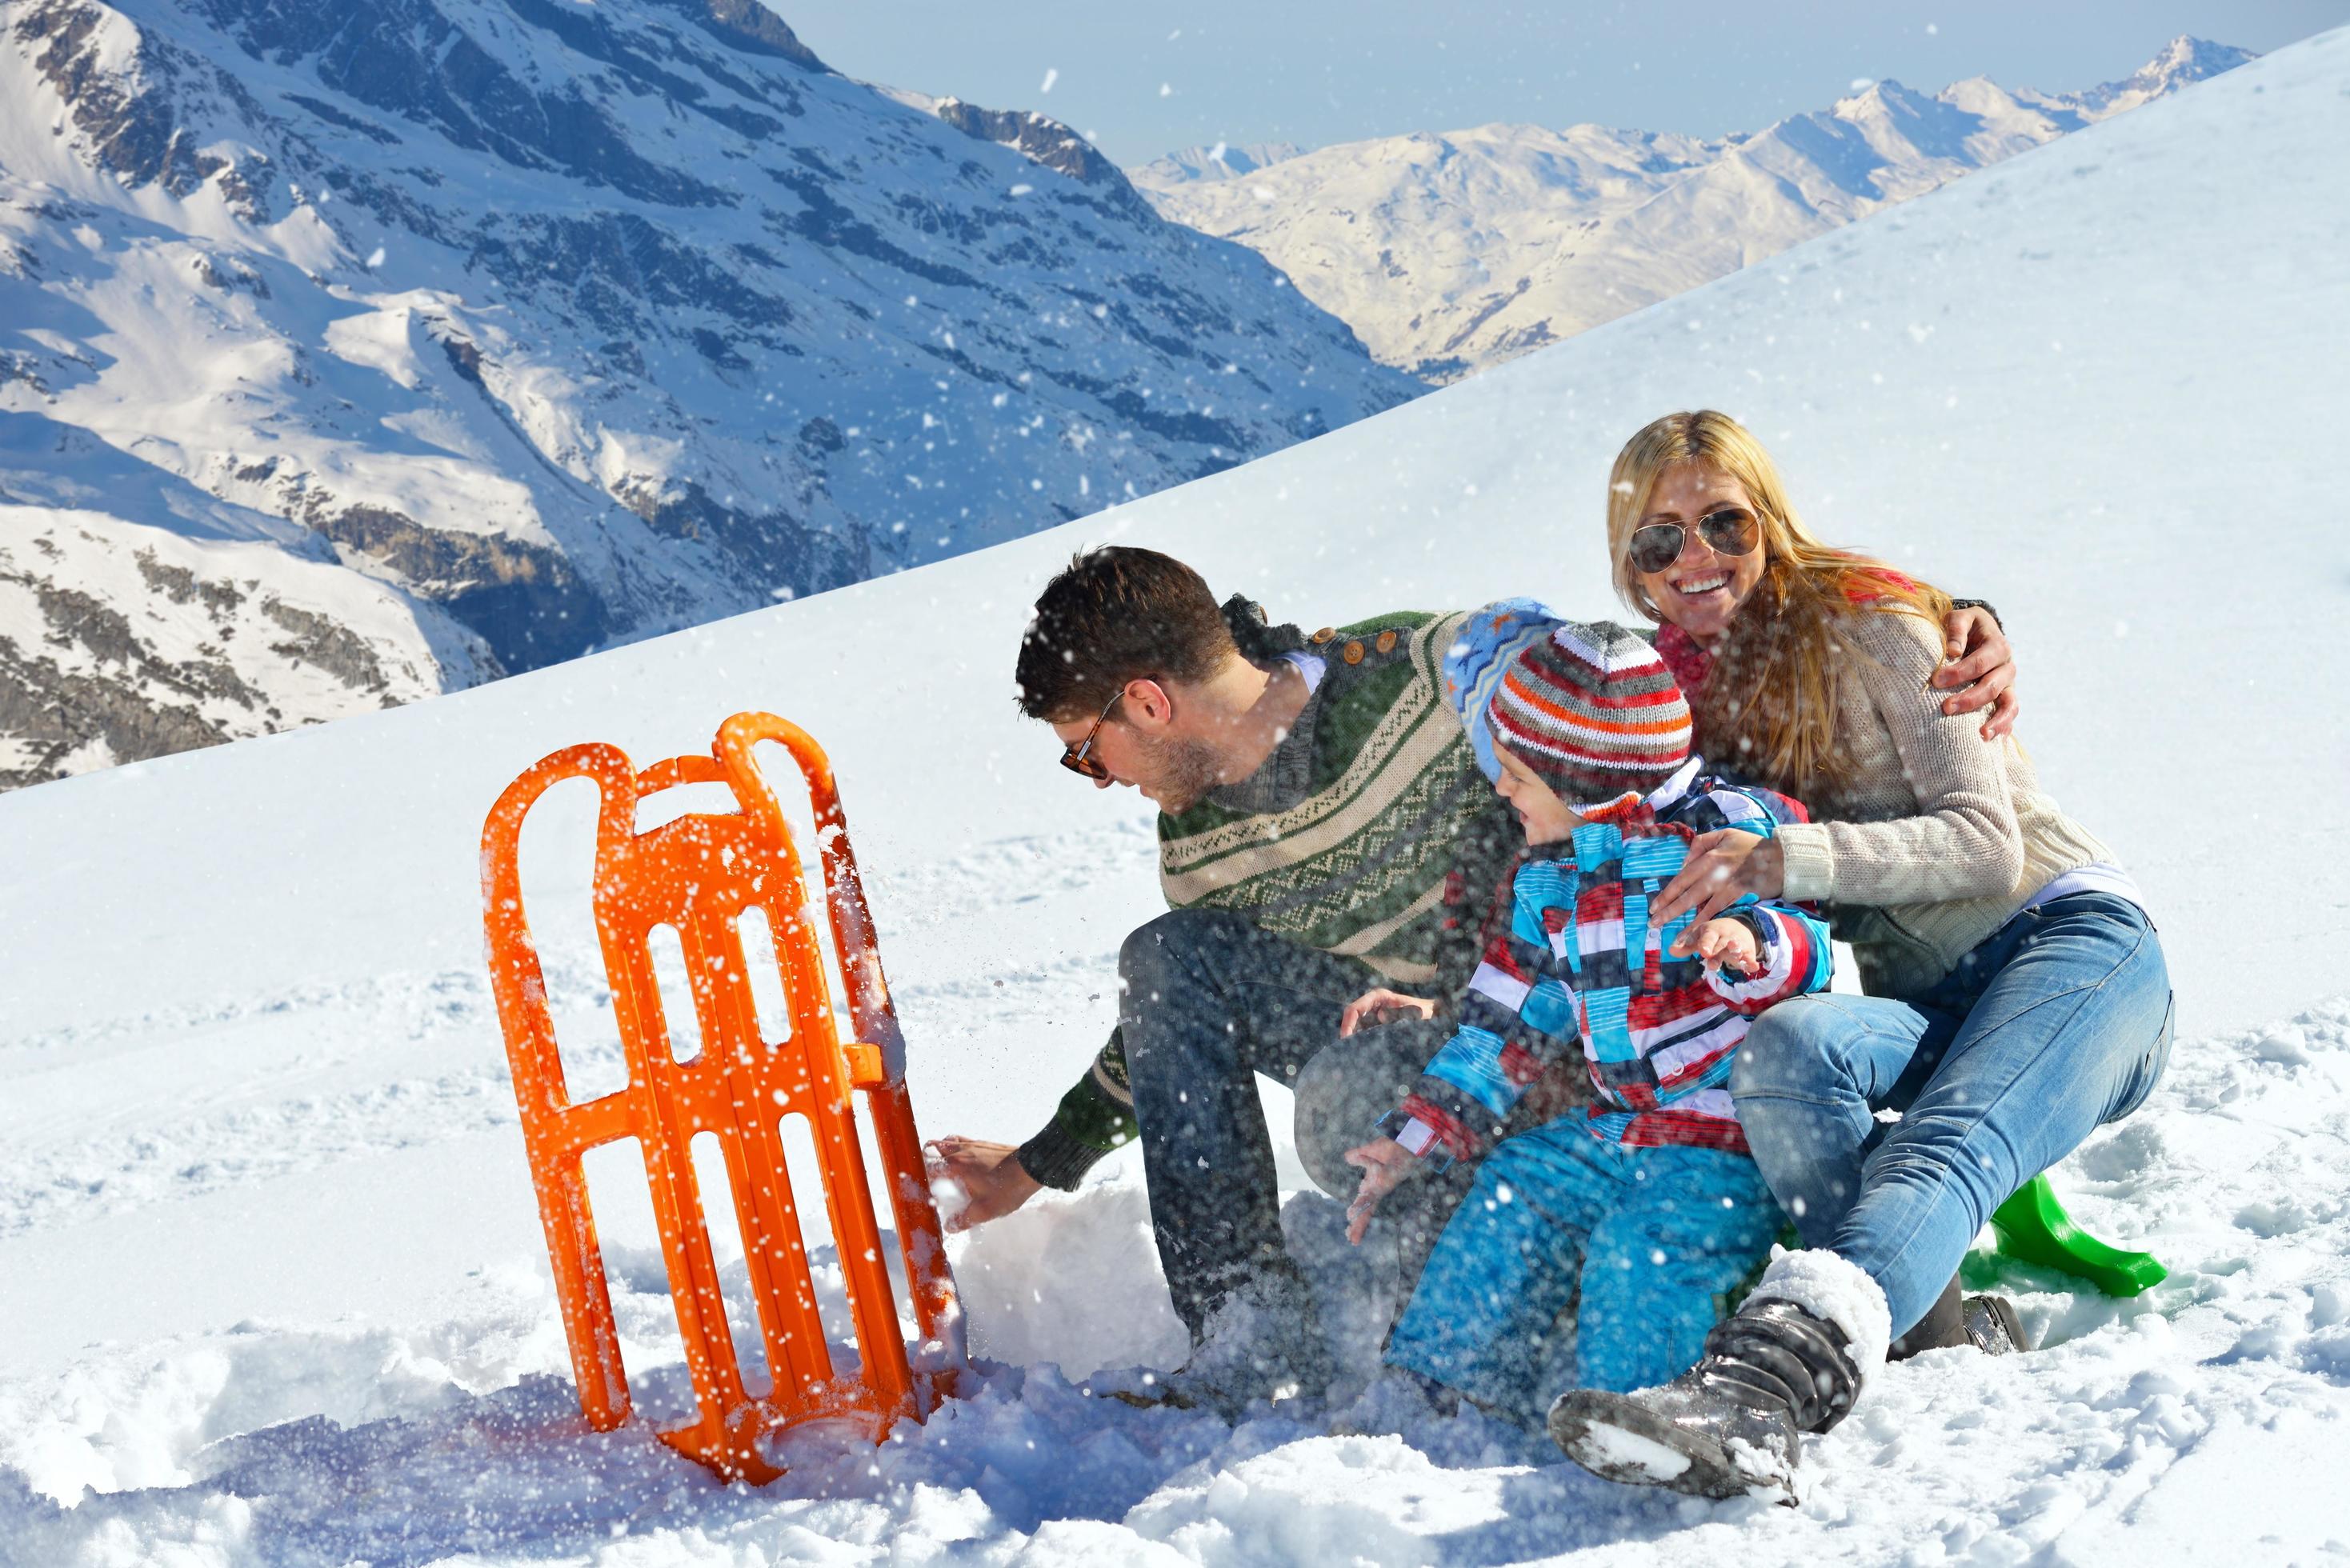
(272, 1286)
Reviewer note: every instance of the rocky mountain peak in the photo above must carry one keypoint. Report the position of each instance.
(2187, 59)
(1043, 141)
(750, 25)
(1884, 92)
(2181, 63)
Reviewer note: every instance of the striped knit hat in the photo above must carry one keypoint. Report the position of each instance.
(1588, 706)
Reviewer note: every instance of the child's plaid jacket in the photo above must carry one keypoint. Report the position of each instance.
(1578, 961)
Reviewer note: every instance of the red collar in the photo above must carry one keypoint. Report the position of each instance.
(1631, 816)
(1689, 663)
(1629, 809)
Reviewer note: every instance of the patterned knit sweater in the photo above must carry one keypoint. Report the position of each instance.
(1934, 837)
(1346, 839)
(1580, 962)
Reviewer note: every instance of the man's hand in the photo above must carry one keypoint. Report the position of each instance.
(1723, 867)
(1379, 1004)
(1978, 669)
(1386, 1165)
(1720, 944)
(987, 1176)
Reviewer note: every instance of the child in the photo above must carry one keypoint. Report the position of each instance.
(1647, 1198)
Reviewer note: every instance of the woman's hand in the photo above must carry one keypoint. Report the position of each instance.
(1720, 944)
(1723, 867)
(1379, 1004)
(1386, 1165)
(1980, 666)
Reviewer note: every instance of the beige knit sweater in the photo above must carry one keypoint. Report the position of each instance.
(1937, 836)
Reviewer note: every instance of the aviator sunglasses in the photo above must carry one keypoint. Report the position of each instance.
(1729, 530)
(1079, 758)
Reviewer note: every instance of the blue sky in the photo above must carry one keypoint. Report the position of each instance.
(1144, 77)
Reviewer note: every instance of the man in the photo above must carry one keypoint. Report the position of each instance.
(1323, 831)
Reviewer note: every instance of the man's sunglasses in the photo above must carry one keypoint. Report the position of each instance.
(1730, 531)
(1079, 758)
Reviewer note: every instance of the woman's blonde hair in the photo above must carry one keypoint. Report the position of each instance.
(1769, 707)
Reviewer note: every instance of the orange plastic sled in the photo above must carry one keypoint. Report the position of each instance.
(697, 875)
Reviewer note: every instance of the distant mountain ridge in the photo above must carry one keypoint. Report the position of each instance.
(352, 350)
(1449, 254)
(1220, 161)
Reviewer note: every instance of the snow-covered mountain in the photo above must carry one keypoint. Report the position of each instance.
(1451, 252)
(273, 1286)
(1221, 162)
(353, 350)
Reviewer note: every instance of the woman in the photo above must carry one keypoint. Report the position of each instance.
(2020, 997)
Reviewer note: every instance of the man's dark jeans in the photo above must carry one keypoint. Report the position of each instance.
(1209, 1001)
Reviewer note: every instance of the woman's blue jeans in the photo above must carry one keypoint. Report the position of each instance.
(2057, 1022)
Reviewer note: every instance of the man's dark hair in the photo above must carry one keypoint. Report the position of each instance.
(1118, 614)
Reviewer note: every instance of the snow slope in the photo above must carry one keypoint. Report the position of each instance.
(1451, 252)
(551, 326)
(275, 1287)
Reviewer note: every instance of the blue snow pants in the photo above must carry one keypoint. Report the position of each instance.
(1656, 1238)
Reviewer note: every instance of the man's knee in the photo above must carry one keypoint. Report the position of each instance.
(1152, 966)
(1157, 950)
(1324, 1106)
(1343, 1090)
(1144, 953)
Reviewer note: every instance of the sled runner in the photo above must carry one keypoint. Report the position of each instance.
(698, 875)
(2032, 1227)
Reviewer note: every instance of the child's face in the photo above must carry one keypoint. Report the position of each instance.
(1546, 818)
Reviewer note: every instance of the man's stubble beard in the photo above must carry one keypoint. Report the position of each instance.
(1182, 772)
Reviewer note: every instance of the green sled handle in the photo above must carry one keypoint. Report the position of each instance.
(2034, 1227)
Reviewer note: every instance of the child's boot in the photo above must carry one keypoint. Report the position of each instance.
(1790, 1360)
